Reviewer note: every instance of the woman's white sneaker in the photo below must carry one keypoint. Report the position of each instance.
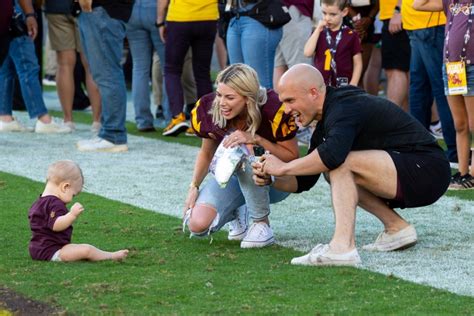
(239, 226)
(259, 235)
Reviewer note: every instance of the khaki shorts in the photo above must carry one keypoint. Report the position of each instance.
(295, 33)
(63, 32)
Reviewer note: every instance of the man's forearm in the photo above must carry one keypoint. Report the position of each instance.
(308, 165)
(27, 6)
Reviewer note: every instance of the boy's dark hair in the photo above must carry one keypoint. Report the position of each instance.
(340, 3)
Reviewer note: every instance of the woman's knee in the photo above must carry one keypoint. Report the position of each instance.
(201, 218)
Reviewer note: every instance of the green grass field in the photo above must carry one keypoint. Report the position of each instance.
(168, 273)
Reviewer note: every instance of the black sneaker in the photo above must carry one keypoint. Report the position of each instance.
(467, 182)
(159, 112)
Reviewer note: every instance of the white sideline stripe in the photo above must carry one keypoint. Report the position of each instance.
(154, 175)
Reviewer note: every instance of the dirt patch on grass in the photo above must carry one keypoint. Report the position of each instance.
(17, 304)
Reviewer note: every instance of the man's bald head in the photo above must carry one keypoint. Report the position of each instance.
(303, 76)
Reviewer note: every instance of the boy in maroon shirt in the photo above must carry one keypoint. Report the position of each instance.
(51, 222)
(336, 48)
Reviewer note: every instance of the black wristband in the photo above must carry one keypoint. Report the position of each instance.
(397, 9)
(158, 25)
(30, 15)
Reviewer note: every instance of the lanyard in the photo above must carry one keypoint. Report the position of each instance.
(455, 9)
(333, 46)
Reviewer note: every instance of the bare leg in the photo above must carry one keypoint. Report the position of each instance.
(221, 52)
(361, 169)
(373, 204)
(397, 87)
(65, 81)
(201, 218)
(371, 76)
(92, 91)
(461, 124)
(76, 252)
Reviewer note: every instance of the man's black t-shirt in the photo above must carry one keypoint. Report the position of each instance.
(354, 120)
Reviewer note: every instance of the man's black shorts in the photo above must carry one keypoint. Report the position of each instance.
(423, 176)
(395, 49)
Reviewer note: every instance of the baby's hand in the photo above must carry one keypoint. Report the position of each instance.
(77, 209)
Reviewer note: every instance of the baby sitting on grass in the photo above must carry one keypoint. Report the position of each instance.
(51, 222)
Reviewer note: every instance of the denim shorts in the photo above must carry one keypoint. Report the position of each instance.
(469, 77)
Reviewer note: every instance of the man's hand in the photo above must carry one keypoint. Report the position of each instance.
(259, 177)
(271, 165)
(32, 26)
(86, 5)
(77, 209)
(395, 24)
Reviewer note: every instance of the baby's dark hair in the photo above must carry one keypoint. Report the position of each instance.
(342, 4)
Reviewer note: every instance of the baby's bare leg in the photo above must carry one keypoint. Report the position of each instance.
(76, 252)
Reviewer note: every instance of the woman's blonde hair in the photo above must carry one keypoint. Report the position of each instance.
(244, 80)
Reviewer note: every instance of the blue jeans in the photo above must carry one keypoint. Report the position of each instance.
(426, 82)
(240, 190)
(22, 57)
(102, 40)
(143, 37)
(250, 42)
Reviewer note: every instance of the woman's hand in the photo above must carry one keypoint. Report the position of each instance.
(238, 137)
(193, 194)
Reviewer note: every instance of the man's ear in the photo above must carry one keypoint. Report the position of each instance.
(314, 92)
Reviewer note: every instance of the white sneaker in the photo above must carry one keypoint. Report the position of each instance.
(13, 126)
(95, 128)
(436, 130)
(403, 239)
(321, 255)
(51, 128)
(239, 226)
(71, 125)
(259, 235)
(100, 144)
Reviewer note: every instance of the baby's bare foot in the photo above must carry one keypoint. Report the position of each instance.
(120, 255)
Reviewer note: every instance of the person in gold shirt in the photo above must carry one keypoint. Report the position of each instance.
(395, 53)
(186, 24)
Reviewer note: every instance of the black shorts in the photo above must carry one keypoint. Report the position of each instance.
(423, 176)
(395, 49)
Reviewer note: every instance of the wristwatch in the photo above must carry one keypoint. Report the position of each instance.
(158, 25)
(33, 14)
(397, 9)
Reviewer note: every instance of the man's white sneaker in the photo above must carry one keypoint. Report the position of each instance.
(51, 128)
(238, 227)
(321, 255)
(100, 144)
(13, 126)
(403, 239)
(259, 235)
